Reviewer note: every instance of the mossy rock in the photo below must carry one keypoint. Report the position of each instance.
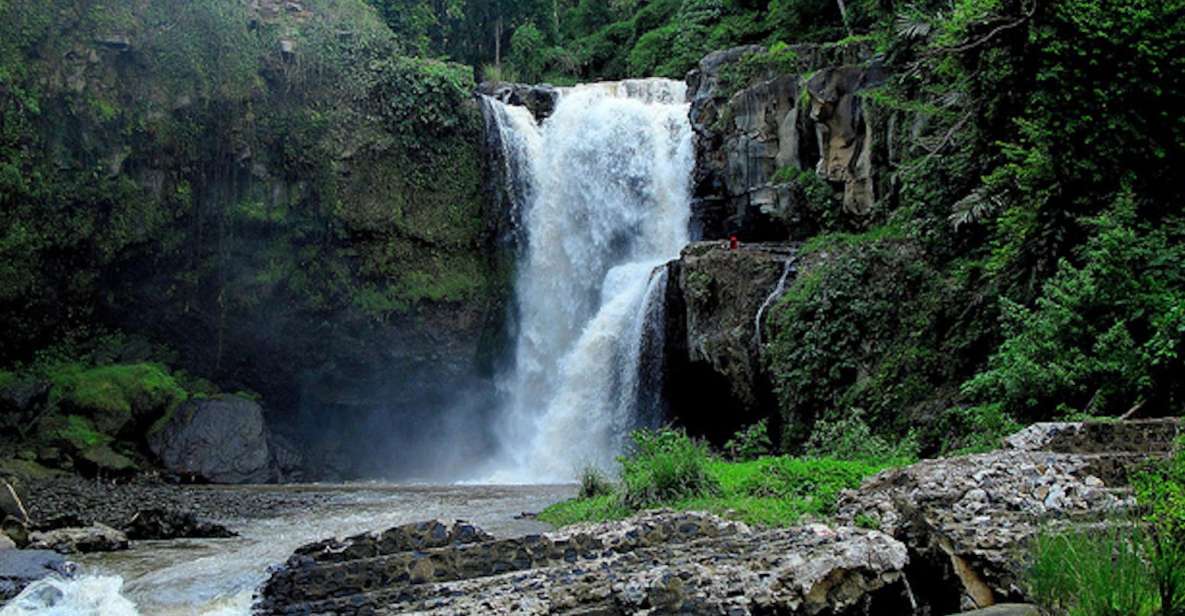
(115, 397)
(104, 459)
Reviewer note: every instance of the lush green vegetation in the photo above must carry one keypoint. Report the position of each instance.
(666, 468)
(1133, 568)
(237, 188)
(566, 40)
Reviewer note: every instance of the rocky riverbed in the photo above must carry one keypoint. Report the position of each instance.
(933, 538)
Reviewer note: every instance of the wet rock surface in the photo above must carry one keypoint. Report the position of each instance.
(162, 524)
(19, 568)
(967, 519)
(657, 563)
(540, 99)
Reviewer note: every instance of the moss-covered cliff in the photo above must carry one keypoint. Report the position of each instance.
(266, 194)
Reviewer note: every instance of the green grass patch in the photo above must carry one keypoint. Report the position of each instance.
(595, 509)
(767, 491)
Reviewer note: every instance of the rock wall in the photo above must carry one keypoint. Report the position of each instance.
(752, 142)
(716, 379)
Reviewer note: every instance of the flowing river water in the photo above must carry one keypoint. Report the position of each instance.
(219, 576)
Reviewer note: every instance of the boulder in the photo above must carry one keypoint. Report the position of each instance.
(19, 568)
(162, 524)
(657, 562)
(6, 543)
(84, 540)
(1006, 609)
(540, 100)
(220, 440)
(968, 519)
(16, 530)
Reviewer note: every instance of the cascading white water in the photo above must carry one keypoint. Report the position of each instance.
(604, 199)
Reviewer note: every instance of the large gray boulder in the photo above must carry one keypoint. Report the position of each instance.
(220, 440)
(653, 563)
(19, 568)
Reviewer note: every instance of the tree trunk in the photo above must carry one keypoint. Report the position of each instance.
(498, 42)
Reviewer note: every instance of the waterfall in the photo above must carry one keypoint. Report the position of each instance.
(787, 269)
(602, 190)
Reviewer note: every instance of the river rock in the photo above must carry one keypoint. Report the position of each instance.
(968, 519)
(164, 524)
(19, 568)
(6, 543)
(94, 538)
(220, 440)
(653, 563)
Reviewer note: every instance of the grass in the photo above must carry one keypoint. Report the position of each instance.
(768, 491)
(1092, 573)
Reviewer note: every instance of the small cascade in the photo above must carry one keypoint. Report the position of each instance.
(602, 191)
(769, 301)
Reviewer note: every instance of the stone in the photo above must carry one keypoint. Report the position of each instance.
(540, 100)
(743, 138)
(85, 540)
(966, 519)
(19, 568)
(844, 136)
(220, 440)
(1005, 609)
(655, 562)
(16, 530)
(6, 543)
(162, 524)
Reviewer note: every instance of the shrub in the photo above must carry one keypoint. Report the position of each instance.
(815, 483)
(666, 465)
(594, 483)
(750, 443)
(850, 438)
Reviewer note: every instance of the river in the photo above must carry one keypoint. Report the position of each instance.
(219, 576)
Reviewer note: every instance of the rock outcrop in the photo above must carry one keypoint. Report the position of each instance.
(165, 524)
(539, 99)
(83, 540)
(654, 563)
(219, 440)
(719, 298)
(776, 122)
(966, 519)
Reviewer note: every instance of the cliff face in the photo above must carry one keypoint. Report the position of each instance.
(267, 195)
(759, 130)
(781, 152)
